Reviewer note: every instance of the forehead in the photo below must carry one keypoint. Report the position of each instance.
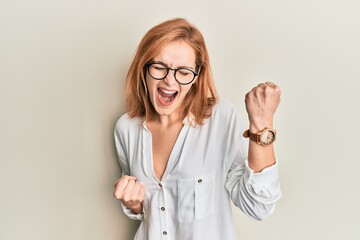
(177, 53)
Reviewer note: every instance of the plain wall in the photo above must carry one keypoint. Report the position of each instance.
(62, 70)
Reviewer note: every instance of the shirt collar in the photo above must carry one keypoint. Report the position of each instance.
(187, 121)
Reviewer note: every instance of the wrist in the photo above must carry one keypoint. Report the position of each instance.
(258, 124)
(255, 128)
(135, 207)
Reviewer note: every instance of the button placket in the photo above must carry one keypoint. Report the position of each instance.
(163, 213)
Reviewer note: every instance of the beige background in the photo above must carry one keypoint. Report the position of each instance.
(62, 68)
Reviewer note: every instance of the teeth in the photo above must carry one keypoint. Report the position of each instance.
(167, 91)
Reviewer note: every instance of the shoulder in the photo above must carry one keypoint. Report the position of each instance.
(125, 123)
(226, 115)
(224, 109)
(224, 105)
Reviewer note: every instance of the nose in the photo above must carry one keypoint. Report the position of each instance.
(170, 77)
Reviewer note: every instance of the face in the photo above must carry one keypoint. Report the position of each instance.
(167, 95)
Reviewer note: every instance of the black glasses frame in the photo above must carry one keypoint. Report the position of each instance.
(168, 70)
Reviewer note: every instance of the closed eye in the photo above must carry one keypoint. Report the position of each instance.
(184, 72)
(159, 68)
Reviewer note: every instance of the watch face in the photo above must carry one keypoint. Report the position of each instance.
(267, 137)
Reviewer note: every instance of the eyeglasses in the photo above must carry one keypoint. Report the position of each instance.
(159, 71)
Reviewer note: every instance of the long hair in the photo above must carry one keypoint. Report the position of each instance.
(202, 96)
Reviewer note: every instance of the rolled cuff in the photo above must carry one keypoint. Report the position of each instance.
(131, 214)
(266, 176)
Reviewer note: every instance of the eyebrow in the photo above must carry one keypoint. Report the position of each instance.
(176, 67)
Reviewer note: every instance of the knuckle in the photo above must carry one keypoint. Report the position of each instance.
(117, 195)
(134, 198)
(126, 198)
(278, 90)
(130, 177)
(126, 177)
(119, 180)
(269, 89)
(251, 93)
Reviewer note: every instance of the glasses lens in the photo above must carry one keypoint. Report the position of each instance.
(184, 75)
(157, 70)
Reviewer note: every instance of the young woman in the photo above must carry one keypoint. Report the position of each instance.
(184, 153)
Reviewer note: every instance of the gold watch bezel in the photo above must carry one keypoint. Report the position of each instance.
(256, 137)
(261, 133)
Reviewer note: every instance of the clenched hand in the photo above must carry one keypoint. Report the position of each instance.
(261, 103)
(130, 192)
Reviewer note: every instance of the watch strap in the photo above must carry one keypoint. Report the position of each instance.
(251, 136)
(256, 137)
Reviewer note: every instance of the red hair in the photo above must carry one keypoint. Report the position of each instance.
(201, 97)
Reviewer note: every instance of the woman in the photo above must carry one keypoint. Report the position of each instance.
(183, 152)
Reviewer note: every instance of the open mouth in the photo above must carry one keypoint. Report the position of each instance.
(166, 97)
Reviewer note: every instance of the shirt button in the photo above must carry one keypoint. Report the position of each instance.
(162, 209)
(164, 232)
(200, 181)
(160, 185)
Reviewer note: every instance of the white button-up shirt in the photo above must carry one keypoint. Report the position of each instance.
(206, 168)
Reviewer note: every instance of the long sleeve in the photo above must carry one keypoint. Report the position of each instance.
(120, 145)
(254, 193)
(206, 171)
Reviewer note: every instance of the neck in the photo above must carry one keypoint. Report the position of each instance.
(167, 120)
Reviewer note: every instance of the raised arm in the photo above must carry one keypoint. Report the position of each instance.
(261, 103)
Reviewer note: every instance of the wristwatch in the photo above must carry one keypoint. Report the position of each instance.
(264, 137)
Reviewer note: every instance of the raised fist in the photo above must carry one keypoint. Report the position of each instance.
(261, 103)
(130, 192)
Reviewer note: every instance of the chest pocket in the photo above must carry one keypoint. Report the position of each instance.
(196, 198)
